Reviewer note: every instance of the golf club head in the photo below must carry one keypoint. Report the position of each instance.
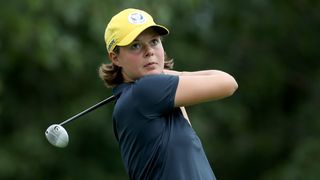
(57, 136)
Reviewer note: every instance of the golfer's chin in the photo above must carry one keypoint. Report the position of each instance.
(153, 71)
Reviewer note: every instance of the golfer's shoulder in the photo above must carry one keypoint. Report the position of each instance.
(155, 78)
(155, 82)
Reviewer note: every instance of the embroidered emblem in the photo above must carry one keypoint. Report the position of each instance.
(111, 44)
(136, 18)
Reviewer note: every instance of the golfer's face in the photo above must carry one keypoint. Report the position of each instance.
(144, 56)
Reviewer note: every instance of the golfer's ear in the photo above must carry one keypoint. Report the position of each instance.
(114, 58)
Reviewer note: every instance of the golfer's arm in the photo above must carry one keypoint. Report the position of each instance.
(202, 86)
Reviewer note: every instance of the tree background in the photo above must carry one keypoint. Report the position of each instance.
(269, 129)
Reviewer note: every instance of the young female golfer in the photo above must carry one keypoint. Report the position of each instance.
(155, 136)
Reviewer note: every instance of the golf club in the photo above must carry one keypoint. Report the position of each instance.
(58, 136)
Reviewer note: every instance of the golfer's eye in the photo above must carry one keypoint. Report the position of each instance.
(155, 41)
(135, 46)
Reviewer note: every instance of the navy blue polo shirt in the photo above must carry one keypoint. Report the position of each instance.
(155, 140)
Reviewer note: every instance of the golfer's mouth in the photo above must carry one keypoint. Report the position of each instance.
(150, 64)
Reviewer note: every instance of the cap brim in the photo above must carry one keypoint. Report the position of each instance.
(134, 34)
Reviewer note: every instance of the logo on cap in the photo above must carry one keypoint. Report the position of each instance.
(111, 44)
(136, 18)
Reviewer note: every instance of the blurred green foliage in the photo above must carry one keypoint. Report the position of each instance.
(50, 52)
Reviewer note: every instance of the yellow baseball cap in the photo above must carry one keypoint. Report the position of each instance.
(125, 26)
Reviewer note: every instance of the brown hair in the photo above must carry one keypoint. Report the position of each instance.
(111, 73)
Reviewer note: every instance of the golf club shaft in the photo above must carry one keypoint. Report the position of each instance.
(109, 99)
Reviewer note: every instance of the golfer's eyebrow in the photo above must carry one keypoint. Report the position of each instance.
(139, 38)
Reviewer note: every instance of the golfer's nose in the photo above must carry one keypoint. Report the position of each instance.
(148, 50)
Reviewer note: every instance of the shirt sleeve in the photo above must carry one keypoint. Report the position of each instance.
(155, 94)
